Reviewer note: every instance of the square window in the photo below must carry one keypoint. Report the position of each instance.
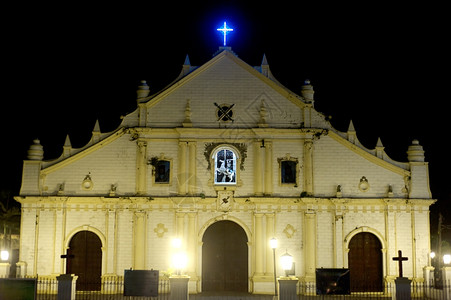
(288, 171)
(162, 171)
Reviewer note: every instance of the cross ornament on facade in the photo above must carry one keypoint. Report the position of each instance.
(400, 259)
(225, 30)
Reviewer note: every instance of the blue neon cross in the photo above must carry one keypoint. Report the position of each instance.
(225, 30)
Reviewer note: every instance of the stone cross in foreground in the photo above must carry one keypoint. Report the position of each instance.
(400, 259)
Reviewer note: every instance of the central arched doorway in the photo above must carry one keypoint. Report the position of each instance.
(224, 258)
(85, 260)
(365, 263)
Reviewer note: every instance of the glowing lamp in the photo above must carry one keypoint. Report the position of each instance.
(286, 261)
(446, 259)
(177, 243)
(4, 255)
(273, 243)
(432, 255)
(179, 261)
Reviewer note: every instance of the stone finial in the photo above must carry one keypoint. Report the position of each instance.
(36, 151)
(263, 115)
(143, 90)
(265, 66)
(96, 132)
(187, 122)
(415, 152)
(67, 147)
(379, 148)
(351, 133)
(307, 91)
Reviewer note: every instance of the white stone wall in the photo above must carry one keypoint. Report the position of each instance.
(114, 163)
(399, 219)
(335, 165)
(224, 83)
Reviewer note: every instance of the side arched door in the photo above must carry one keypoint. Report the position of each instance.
(365, 263)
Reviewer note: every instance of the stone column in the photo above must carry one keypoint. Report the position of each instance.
(269, 251)
(310, 246)
(258, 162)
(140, 241)
(258, 244)
(182, 168)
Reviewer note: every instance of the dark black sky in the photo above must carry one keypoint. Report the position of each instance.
(384, 66)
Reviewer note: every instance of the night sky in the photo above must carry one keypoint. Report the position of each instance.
(386, 67)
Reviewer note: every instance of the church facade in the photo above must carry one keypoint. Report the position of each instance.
(224, 159)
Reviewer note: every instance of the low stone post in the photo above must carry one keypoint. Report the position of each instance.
(4, 269)
(21, 269)
(66, 286)
(287, 288)
(428, 275)
(179, 287)
(402, 285)
(446, 282)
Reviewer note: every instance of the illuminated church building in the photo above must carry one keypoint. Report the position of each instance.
(225, 158)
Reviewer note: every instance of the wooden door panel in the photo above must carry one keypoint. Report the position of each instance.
(85, 260)
(365, 263)
(224, 258)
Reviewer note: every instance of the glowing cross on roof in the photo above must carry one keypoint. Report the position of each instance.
(225, 30)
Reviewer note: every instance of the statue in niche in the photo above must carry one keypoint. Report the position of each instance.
(225, 161)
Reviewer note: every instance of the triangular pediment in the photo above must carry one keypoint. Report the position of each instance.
(225, 82)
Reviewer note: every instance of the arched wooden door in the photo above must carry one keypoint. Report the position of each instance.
(365, 263)
(85, 260)
(224, 258)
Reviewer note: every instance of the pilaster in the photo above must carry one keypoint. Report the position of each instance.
(269, 235)
(192, 168)
(258, 162)
(192, 242)
(258, 244)
(141, 168)
(139, 241)
(310, 246)
(308, 166)
(182, 168)
(268, 168)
